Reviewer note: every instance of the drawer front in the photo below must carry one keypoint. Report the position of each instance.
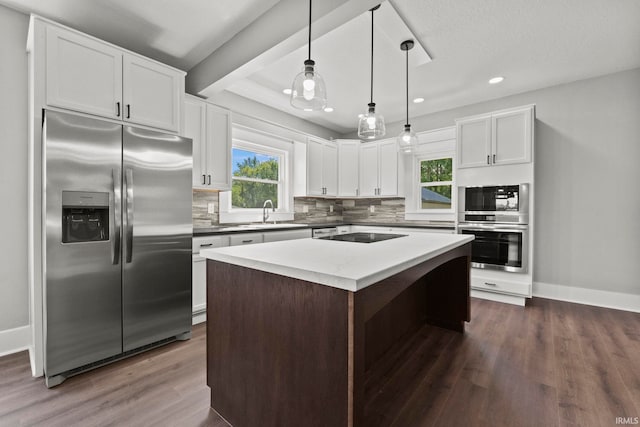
(206, 242)
(502, 286)
(245, 239)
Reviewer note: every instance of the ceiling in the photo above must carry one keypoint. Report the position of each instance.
(533, 44)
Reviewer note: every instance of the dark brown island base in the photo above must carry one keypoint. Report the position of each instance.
(285, 351)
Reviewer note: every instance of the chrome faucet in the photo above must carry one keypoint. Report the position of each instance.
(265, 214)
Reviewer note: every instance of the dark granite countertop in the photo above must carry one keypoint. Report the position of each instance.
(252, 228)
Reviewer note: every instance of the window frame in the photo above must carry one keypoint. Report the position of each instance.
(267, 150)
(418, 184)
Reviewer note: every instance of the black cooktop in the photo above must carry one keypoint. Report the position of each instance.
(363, 237)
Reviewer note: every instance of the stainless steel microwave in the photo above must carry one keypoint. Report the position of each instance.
(496, 203)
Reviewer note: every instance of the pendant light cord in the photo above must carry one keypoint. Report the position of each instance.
(309, 29)
(407, 68)
(372, 55)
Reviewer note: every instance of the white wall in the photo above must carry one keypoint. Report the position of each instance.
(587, 176)
(14, 291)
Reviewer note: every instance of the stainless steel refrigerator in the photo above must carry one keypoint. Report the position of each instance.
(117, 255)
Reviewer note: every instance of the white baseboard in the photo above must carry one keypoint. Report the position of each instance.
(199, 317)
(15, 340)
(615, 300)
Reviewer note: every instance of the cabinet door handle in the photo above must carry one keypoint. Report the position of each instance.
(490, 284)
(488, 161)
(494, 158)
(204, 245)
(118, 109)
(128, 111)
(247, 241)
(209, 177)
(204, 179)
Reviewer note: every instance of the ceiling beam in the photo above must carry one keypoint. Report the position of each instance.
(274, 34)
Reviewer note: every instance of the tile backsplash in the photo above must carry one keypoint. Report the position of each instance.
(315, 210)
(201, 200)
(320, 210)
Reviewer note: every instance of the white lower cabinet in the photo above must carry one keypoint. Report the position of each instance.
(245, 239)
(512, 288)
(199, 274)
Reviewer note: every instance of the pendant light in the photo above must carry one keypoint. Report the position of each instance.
(371, 124)
(308, 91)
(407, 140)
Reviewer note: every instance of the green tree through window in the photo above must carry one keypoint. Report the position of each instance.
(436, 182)
(255, 179)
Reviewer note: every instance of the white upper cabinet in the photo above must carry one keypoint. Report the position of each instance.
(474, 141)
(369, 169)
(218, 148)
(388, 168)
(83, 74)
(209, 126)
(151, 93)
(195, 127)
(498, 138)
(322, 167)
(348, 162)
(90, 76)
(379, 168)
(512, 136)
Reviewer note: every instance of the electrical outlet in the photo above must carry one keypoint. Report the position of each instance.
(305, 209)
(211, 208)
(372, 208)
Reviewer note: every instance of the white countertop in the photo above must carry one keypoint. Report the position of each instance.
(345, 265)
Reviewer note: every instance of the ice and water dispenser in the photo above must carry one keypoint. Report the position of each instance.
(85, 216)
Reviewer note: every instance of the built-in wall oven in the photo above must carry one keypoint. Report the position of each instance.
(498, 217)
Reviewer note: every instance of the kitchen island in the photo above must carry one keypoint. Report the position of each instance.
(295, 327)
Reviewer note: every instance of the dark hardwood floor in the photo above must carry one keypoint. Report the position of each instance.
(549, 364)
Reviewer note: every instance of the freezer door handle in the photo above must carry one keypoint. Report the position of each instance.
(128, 217)
(117, 215)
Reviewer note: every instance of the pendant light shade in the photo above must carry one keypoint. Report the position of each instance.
(371, 124)
(407, 140)
(308, 91)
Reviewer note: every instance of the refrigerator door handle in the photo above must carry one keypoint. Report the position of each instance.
(128, 209)
(117, 217)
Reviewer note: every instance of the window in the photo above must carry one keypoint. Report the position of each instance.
(256, 176)
(436, 184)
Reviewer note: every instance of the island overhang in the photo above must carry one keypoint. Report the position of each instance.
(350, 266)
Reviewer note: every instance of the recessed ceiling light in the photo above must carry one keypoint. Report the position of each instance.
(495, 80)
(286, 91)
(418, 100)
(328, 109)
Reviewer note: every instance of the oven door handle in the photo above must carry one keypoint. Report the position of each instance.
(501, 228)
